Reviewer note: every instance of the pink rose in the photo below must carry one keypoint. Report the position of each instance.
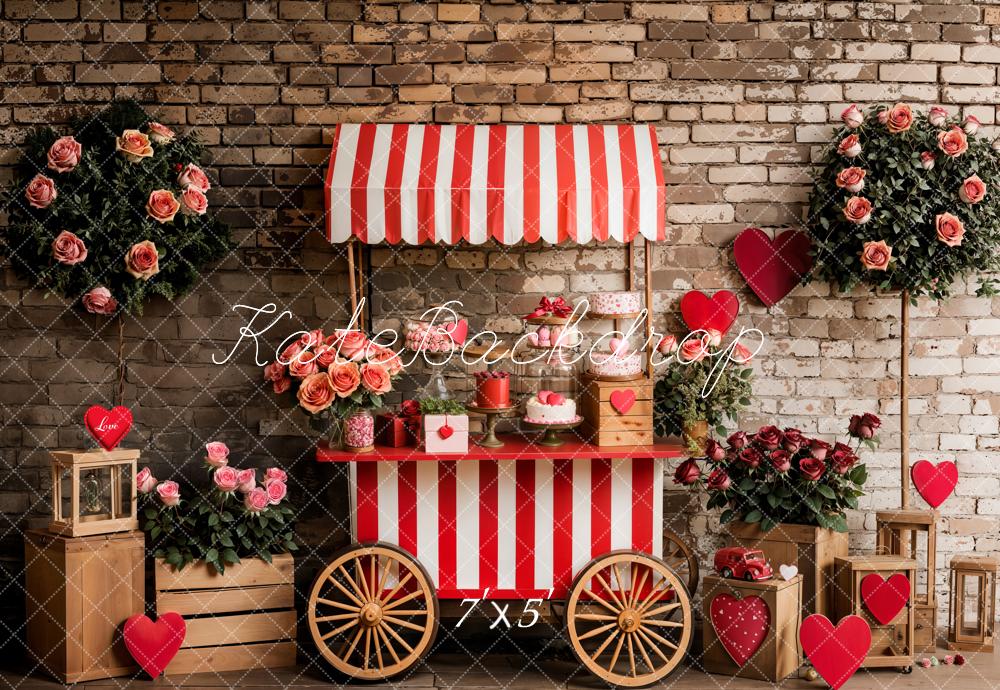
(256, 500)
(193, 202)
(714, 337)
(289, 353)
(274, 474)
(276, 492)
(169, 493)
(226, 479)
(375, 378)
(161, 134)
(99, 301)
(667, 345)
(858, 210)
(64, 154)
(693, 350)
(386, 357)
(316, 392)
(812, 468)
(687, 472)
(714, 451)
(303, 365)
(818, 449)
(350, 344)
(971, 124)
(68, 249)
(852, 179)
(274, 371)
(883, 116)
(953, 142)
(142, 261)
(247, 480)
(927, 159)
(852, 116)
(850, 146)
(719, 480)
(145, 481)
(741, 354)
(875, 256)
(193, 176)
(162, 206)
(973, 190)
(41, 191)
(937, 116)
(282, 385)
(134, 145)
(950, 229)
(345, 378)
(313, 338)
(217, 454)
(325, 356)
(900, 118)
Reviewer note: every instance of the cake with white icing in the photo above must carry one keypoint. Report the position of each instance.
(548, 407)
(613, 303)
(609, 364)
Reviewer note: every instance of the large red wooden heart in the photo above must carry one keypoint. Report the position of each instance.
(741, 624)
(772, 269)
(885, 598)
(934, 482)
(835, 652)
(703, 313)
(109, 427)
(623, 400)
(154, 645)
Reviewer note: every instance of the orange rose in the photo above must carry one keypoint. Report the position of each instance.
(162, 206)
(693, 350)
(345, 378)
(375, 378)
(973, 190)
(900, 118)
(134, 145)
(384, 356)
(142, 261)
(316, 393)
(953, 142)
(949, 229)
(858, 210)
(875, 256)
(852, 179)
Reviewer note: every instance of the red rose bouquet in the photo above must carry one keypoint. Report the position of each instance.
(777, 476)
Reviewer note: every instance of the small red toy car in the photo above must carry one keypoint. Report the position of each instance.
(742, 563)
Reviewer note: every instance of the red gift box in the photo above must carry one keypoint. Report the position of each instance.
(391, 431)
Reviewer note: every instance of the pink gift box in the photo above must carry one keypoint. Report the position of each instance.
(457, 442)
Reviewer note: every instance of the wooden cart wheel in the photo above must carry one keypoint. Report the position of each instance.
(373, 612)
(679, 556)
(629, 618)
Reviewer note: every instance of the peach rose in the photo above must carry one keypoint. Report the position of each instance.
(852, 116)
(741, 354)
(41, 191)
(276, 492)
(161, 134)
(973, 190)
(949, 229)
(226, 479)
(345, 377)
(900, 118)
(858, 210)
(274, 371)
(953, 142)
(927, 159)
(350, 344)
(316, 392)
(971, 124)
(162, 206)
(99, 301)
(667, 345)
(216, 453)
(68, 249)
(142, 261)
(693, 350)
(134, 145)
(256, 500)
(325, 356)
(375, 378)
(852, 179)
(937, 116)
(169, 493)
(303, 365)
(875, 256)
(145, 481)
(193, 176)
(64, 154)
(850, 146)
(193, 202)
(386, 357)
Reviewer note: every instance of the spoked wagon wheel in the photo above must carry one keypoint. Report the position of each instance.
(629, 619)
(679, 556)
(372, 611)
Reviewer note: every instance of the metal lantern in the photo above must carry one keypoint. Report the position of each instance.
(973, 593)
(93, 492)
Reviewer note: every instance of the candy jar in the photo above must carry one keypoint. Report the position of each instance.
(358, 432)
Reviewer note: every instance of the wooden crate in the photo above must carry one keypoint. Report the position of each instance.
(812, 549)
(779, 655)
(603, 425)
(243, 619)
(79, 592)
(898, 534)
(893, 643)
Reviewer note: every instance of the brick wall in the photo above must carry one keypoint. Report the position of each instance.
(741, 94)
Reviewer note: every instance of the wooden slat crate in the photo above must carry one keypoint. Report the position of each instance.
(240, 620)
(603, 425)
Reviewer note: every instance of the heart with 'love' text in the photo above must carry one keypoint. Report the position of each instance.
(108, 427)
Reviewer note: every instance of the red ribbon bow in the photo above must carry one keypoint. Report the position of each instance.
(556, 307)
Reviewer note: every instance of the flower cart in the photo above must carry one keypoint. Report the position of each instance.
(578, 523)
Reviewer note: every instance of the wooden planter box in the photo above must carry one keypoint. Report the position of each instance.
(79, 591)
(603, 425)
(243, 619)
(812, 549)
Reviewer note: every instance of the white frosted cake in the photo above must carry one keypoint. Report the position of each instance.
(547, 407)
(615, 302)
(608, 364)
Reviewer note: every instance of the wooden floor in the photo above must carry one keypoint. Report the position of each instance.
(497, 671)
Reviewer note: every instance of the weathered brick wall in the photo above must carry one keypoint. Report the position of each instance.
(742, 95)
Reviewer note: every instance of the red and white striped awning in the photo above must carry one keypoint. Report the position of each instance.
(445, 183)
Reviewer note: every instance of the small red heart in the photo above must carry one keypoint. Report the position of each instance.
(703, 313)
(108, 427)
(741, 624)
(772, 269)
(623, 400)
(934, 482)
(445, 431)
(154, 645)
(835, 653)
(458, 331)
(885, 598)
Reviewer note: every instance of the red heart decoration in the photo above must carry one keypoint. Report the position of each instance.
(623, 400)
(458, 331)
(109, 427)
(885, 598)
(835, 652)
(741, 624)
(703, 313)
(934, 482)
(154, 645)
(445, 431)
(772, 269)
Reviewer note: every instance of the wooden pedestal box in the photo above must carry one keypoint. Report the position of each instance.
(79, 592)
(893, 642)
(617, 413)
(779, 655)
(243, 619)
(899, 534)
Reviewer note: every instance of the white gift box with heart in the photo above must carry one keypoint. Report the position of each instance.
(446, 433)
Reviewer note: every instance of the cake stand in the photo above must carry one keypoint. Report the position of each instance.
(551, 435)
(493, 415)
